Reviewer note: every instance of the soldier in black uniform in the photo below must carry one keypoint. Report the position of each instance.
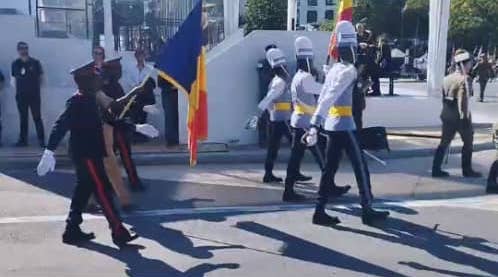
(112, 72)
(83, 120)
(456, 116)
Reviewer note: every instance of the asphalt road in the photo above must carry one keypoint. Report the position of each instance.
(219, 220)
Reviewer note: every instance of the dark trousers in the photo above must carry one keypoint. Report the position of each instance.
(263, 129)
(449, 130)
(123, 144)
(483, 84)
(277, 131)
(337, 142)
(297, 154)
(170, 106)
(92, 179)
(373, 71)
(24, 104)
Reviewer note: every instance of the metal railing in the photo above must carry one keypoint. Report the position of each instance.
(63, 21)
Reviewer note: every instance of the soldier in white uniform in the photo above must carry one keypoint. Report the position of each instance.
(304, 90)
(335, 115)
(278, 103)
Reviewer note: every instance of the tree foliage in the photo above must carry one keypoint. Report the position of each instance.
(266, 15)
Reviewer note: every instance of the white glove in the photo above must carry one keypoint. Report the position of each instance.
(252, 123)
(46, 164)
(150, 109)
(326, 69)
(310, 138)
(147, 130)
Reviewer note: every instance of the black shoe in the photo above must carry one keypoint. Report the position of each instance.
(21, 144)
(492, 188)
(123, 238)
(74, 235)
(292, 196)
(338, 191)
(139, 187)
(371, 216)
(323, 219)
(440, 174)
(302, 178)
(270, 178)
(42, 144)
(471, 174)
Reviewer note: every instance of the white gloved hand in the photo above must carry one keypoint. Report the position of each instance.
(326, 69)
(252, 123)
(150, 109)
(46, 164)
(310, 138)
(147, 130)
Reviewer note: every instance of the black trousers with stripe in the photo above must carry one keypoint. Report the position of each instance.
(347, 141)
(92, 179)
(297, 154)
(123, 144)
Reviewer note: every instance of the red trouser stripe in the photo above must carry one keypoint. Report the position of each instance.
(127, 160)
(101, 194)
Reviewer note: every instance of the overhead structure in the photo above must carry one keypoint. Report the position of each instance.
(439, 15)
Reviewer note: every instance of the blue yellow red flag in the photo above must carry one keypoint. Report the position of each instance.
(182, 63)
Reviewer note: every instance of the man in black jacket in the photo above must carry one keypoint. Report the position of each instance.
(27, 76)
(83, 119)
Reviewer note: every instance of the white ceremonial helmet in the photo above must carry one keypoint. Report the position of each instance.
(346, 37)
(304, 48)
(346, 34)
(275, 57)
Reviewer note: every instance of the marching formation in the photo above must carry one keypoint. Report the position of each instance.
(321, 119)
(321, 116)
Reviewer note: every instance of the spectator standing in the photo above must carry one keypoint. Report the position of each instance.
(367, 52)
(484, 71)
(169, 96)
(27, 76)
(146, 99)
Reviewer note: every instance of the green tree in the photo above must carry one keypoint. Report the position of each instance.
(328, 26)
(266, 15)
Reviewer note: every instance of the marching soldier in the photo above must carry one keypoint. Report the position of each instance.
(304, 91)
(278, 103)
(335, 114)
(83, 120)
(456, 116)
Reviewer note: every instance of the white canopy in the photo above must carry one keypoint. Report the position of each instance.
(439, 14)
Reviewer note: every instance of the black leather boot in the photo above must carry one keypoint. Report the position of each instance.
(371, 216)
(74, 235)
(436, 164)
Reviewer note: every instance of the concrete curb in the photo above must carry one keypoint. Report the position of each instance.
(229, 157)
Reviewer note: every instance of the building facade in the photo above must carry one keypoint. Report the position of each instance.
(315, 11)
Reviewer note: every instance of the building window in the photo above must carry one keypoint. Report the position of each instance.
(313, 3)
(329, 14)
(312, 17)
(329, 2)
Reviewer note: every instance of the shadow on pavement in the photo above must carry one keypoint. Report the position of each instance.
(300, 249)
(438, 244)
(422, 267)
(138, 265)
